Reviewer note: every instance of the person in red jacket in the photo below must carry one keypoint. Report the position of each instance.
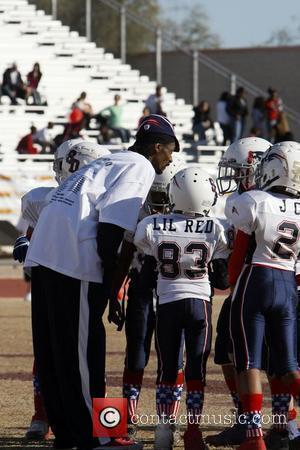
(25, 145)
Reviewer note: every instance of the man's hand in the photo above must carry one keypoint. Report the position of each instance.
(20, 248)
(116, 313)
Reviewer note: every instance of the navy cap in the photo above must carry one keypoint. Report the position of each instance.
(155, 123)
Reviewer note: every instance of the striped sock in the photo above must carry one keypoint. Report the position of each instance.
(280, 404)
(168, 396)
(132, 384)
(194, 400)
(252, 404)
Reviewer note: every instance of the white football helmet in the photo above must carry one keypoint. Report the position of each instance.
(238, 164)
(59, 155)
(158, 195)
(81, 154)
(192, 191)
(280, 169)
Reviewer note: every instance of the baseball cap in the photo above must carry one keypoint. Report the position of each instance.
(156, 124)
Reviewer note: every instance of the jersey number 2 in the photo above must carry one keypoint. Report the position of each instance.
(282, 247)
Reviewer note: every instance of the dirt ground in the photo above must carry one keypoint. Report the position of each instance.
(16, 398)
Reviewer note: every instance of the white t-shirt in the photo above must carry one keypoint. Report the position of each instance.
(111, 189)
(183, 246)
(275, 220)
(33, 203)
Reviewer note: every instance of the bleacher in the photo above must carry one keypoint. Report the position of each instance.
(70, 65)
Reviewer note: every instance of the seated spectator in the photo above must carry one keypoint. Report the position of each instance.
(274, 107)
(85, 107)
(25, 145)
(73, 128)
(223, 117)
(114, 119)
(13, 85)
(154, 102)
(202, 120)
(106, 135)
(238, 110)
(33, 80)
(45, 138)
(259, 116)
(146, 113)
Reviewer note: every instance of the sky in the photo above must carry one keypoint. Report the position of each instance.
(241, 23)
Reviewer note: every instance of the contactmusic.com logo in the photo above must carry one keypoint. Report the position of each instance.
(109, 417)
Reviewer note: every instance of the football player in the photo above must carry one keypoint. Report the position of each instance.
(33, 203)
(236, 174)
(265, 293)
(140, 315)
(183, 243)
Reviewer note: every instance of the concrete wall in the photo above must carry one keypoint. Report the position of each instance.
(278, 67)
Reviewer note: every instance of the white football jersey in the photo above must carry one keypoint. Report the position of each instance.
(183, 246)
(230, 201)
(111, 189)
(275, 221)
(33, 203)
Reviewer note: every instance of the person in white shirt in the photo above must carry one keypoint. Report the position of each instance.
(183, 244)
(75, 246)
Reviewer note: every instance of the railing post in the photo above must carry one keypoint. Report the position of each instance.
(158, 56)
(232, 84)
(123, 33)
(195, 77)
(88, 19)
(54, 9)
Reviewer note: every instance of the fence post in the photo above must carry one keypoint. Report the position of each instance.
(88, 19)
(232, 84)
(158, 56)
(195, 77)
(123, 33)
(54, 9)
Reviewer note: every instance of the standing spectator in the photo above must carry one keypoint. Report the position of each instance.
(33, 80)
(154, 102)
(274, 107)
(146, 113)
(283, 131)
(85, 107)
(202, 120)
(238, 111)
(223, 117)
(44, 137)
(114, 119)
(13, 85)
(259, 116)
(25, 145)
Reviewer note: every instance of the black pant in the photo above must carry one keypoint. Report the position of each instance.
(69, 349)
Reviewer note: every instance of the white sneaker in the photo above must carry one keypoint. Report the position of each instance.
(37, 431)
(164, 437)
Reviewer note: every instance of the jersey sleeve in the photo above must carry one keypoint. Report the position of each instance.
(243, 213)
(142, 238)
(222, 248)
(122, 202)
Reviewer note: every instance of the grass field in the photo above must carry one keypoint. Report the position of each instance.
(16, 398)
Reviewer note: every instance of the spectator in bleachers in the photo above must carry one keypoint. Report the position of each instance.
(238, 111)
(25, 145)
(33, 80)
(114, 119)
(201, 121)
(146, 113)
(45, 138)
(274, 107)
(106, 135)
(259, 116)
(85, 107)
(73, 128)
(283, 131)
(155, 102)
(13, 85)
(223, 117)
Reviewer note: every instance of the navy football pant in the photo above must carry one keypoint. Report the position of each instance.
(264, 297)
(191, 317)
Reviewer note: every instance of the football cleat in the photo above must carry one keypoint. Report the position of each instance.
(276, 440)
(234, 435)
(164, 437)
